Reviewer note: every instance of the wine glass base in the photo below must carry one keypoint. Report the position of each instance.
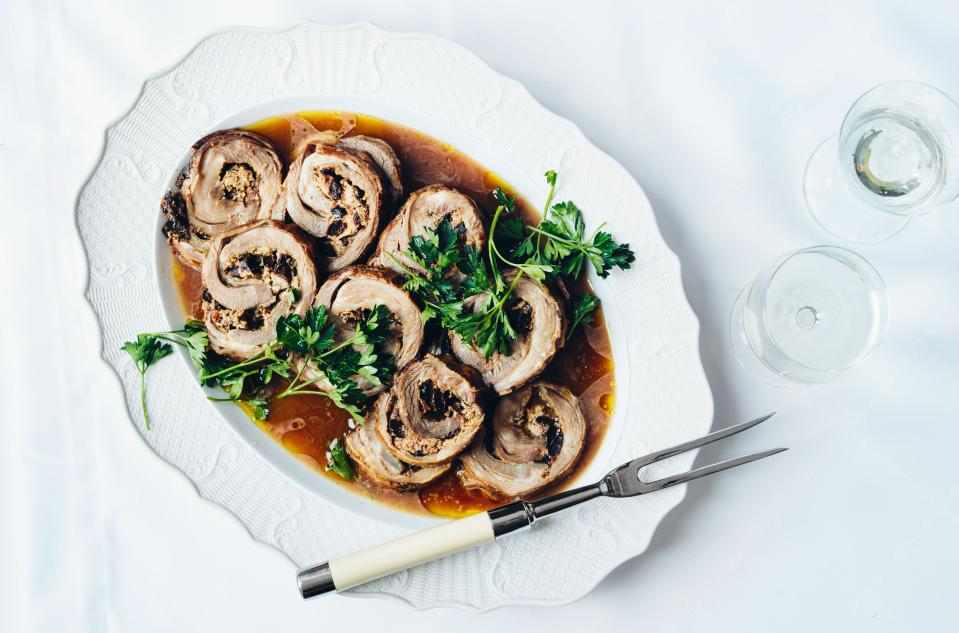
(836, 209)
(745, 355)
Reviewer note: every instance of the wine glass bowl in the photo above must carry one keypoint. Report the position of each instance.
(895, 153)
(809, 316)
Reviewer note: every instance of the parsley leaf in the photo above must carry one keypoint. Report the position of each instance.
(560, 238)
(502, 199)
(551, 179)
(565, 220)
(302, 336)
(532, 266)
(583, 311)
(511, 229)
(606, 253)
(338, 461)
(487, 326)
(259, 407)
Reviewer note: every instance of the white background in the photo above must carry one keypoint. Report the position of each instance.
(714, 108)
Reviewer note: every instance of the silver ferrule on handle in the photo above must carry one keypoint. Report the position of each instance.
(520, 514)
(511, 517)
(315, 581)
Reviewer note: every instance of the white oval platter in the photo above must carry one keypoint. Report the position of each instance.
(239, 76)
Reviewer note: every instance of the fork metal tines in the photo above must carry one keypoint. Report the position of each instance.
(625, 480)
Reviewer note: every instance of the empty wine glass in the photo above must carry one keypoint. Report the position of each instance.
(895, 153)
(808, 316)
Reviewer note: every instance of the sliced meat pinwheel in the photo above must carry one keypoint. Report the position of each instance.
(382, 155)
(378, 151)
(425, 209)
(335, 195)
(432, 413)
(233, 177)
(378, 465)
(540, 324)
(351, 293)
(538, 435)
(252, 276)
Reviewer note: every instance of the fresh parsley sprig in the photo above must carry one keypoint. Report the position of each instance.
(146, 350)
(236, 378)
(435, 252)
(560, 241)
(557, 246)
(337, 363)
(247, 381)
(487, 326)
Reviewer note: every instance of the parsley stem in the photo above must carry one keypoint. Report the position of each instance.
(401, 265)
(549, 198)
(581, 246)
(593, 236)
(492, 241)
(499, 304)
(509, 291)
(181, 341)
(250, 361)
(300, 392)
(494, 249)
(549, 201)
(289, 388)
(164, 336)
(143, 395)
(356, 336)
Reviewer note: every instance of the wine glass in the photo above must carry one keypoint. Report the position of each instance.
(809, 316)
(895, 153)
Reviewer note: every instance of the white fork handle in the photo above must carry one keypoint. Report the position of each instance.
(387, 558)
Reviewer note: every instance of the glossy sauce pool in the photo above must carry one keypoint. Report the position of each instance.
(305, 425)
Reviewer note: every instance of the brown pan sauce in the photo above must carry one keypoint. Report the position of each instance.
(305, 425)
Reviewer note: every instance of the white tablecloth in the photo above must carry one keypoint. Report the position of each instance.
(714, 108)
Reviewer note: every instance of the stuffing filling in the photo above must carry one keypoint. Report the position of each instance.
(278, 270)
(521, 317)
(437, 404)
(177, 226)
(538, 422)
(434, 404)
(238, 182)
(350, 210)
